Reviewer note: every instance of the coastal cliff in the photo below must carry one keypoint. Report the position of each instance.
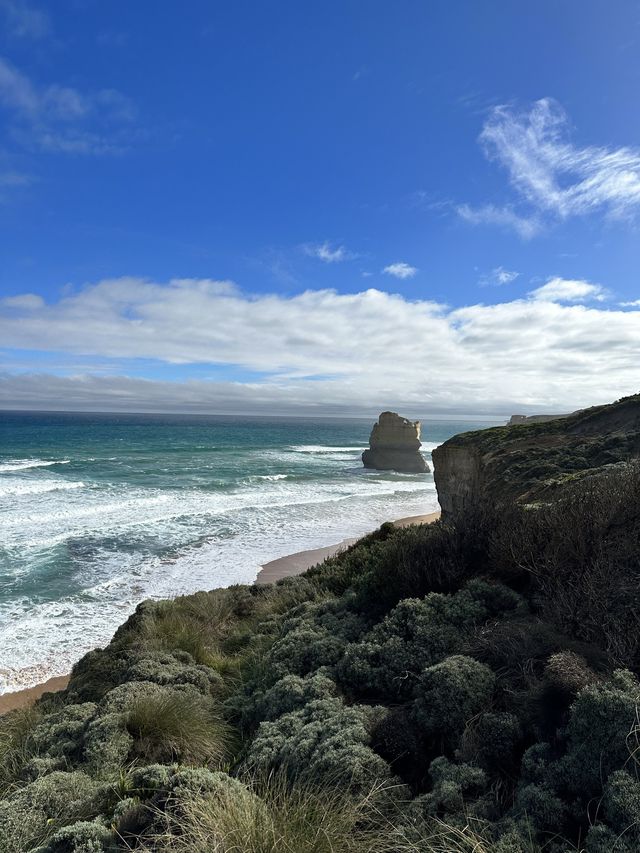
(394, 445)
(423, 690)
(533, 461)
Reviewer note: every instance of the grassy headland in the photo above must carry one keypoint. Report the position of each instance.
(467, 686)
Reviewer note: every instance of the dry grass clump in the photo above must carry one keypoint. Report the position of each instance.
(272, 816)
(176, 726)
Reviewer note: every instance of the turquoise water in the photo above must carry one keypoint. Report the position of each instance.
(98, 512)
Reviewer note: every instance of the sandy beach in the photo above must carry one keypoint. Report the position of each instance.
(295, 564)
(292, 564)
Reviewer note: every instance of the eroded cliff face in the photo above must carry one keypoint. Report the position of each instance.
(457, 472)
(533, 461)
(394, 445)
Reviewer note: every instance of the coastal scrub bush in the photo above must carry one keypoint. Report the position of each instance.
(59, 733)
(394, 563)
(621, 806)
(32, 814)
(450, 693)
(454, 785)
(325, 741)
(169, 669)
(292, 693)
(490, 741)
(80, 837)
(581, 554)
(418, 633)
(602, 734)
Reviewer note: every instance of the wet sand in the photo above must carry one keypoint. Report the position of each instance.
(22, 698)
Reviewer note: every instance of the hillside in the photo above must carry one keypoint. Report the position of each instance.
(470, 685)
(534, 460)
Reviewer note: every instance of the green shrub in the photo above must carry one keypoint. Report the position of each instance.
(169, 669)
(450, 693)
(292, 693)
(418, 633)
(32, 814)
(541, 806)
(621, 806)
(324, 741)
(601, 733)
(491, 741)
(454, 785)
(107, 745)
(80, 837)
(602, 839)
(304, 650)
(60, 733)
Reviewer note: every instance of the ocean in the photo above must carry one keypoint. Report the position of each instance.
(100, 511)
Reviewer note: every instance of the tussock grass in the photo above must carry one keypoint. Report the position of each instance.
(275, 817)
(180, 727)
(16, 744)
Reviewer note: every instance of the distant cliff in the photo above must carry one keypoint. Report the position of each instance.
(527, 461)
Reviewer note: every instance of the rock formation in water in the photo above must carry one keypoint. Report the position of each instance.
(535, 460)
(394, 445)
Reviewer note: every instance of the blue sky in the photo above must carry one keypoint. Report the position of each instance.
(319, 207)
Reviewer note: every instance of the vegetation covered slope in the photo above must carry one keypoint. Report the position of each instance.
(534, 461)
(436, 688)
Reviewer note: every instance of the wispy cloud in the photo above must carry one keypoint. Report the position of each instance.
(321, 350)
(25, 21)
(569, 290)
(62, 118)
(553, 178)
(635, 303)
(15, 179)
(400, 270)
(327, 253)
(488, 214)
(499, 276)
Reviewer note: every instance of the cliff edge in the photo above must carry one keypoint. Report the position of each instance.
(533, 460)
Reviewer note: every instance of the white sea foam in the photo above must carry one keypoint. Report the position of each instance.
(15, 486)
(9, 465)
(114, 543)
(232, 553)
(322, 448)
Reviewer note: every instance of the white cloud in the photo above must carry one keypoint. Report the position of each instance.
(320, 350)
(569, 290)
(499, 276)
(24, 20)
(26, 301)
(325, 252)
(635, 303)
(60, 118)
(400, 270)
(553, 178)
(489, 214)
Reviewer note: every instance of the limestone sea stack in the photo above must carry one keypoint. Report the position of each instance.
(394, 445)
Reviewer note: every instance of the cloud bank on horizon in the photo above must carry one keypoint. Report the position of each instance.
(320, 350)
(491, 209)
